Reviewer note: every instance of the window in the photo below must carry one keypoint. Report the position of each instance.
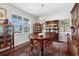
(26, 25)
(17, 21)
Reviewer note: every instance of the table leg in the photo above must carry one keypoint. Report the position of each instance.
(42, 47)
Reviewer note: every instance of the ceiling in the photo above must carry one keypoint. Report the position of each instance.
(44, 9)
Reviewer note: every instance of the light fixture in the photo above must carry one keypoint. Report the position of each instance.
(42, 5)
(42, 18)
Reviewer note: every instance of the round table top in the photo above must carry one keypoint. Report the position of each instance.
(39, 37)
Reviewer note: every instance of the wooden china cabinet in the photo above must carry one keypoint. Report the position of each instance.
(6, 35)
(52, 29)
(75, 29)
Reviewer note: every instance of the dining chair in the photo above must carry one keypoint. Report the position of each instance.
(35, 45)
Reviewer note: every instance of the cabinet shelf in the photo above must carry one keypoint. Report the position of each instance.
(6, 35)
(52, 28)
(37, 28)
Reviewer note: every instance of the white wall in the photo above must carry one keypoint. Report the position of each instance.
(59, 16)
(18, 37)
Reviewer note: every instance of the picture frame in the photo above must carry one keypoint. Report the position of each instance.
(3, 13)
(61, 29)
(67, 29)
(64, 23)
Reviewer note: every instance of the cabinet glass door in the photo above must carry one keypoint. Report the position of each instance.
(1, 36)
(8, 35)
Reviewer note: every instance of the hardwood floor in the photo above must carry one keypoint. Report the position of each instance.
(59, 48)
(54, 49)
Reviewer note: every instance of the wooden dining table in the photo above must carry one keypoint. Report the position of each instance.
(41, 39)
